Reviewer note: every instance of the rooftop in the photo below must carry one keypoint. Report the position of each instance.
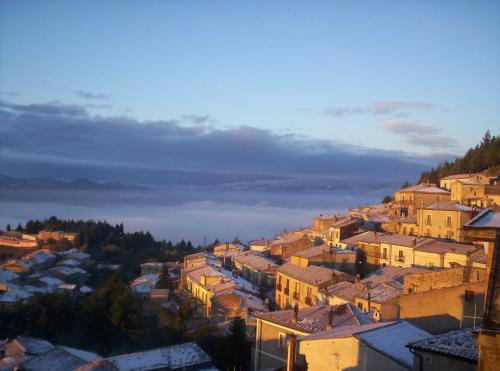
(424, 188)
(486, 219)
(314, 319)
(366, 237)
(440, 247)
(392, 340)
(461, 176)
(312, 274)
(459, 344)
(448, 206)
(402, 240)
(255, 262)
(319, 250)
(172, 358)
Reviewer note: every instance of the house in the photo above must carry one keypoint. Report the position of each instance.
(142, 286)
(408, 199)
(378, 293)
(60, 358)
(443, 300)
(368, 244)
(332, 228)
(187, 356)
(285, 247)
(261, 246)
(229, 304)
(256, 269)
(455, 350)
(444, 220)
(16, 239)
(274, 329)
(375, 346)
(56, 235)
(300, 285)
(448, 181)
(40, 259)
(326, 256)
(20, 349)
(14, 295)
(16, 266)
(205, 282)
(445, 255)
(223, 249)
(152, 268)
(8, 276)
(398, 250)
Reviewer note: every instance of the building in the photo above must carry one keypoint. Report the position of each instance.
(56, 235)
(332, 228)
(408, 199)
(256, 269)
(142, 286)
(187, 356)
(444, 220)
(300, 285)
(205, 282)
(230, 304)
(16, 239)
(274, 329)
(455, 350)
(261, 246)
(326, 256)
(16, 266)
(438, 254)
(283, 248)
(152, 268)
(368, 244)
(374, 347)
(448, 181)
(398, 250)
(443, 300)
(221, 249)
(60, 358)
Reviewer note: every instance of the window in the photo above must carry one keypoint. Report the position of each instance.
(469, 295)
(448, 221)
(428, 233)
(404, 231)
(384, 253)
(281, 340)
(428, 220)
(411, 231)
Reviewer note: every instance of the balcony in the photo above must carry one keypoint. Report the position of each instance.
(399, 259)
(308, 301)
(296, 295)
(286, 291)
(278, 286)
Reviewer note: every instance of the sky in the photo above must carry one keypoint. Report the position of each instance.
(251, 94)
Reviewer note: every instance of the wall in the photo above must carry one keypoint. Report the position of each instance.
(441, 310)
(420, 282)
(281, 297)
(344, 354)
(438, 226)
(432, 362)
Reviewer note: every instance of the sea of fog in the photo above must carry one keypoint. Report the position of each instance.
(248, 211)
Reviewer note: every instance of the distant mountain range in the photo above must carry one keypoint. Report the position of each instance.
(18, 184)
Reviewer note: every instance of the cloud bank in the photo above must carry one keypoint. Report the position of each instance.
(381, 108)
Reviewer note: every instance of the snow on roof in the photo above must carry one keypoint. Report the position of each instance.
(14, 295)
(314, 319)
(343, 332)
(68, 271)
(34, 346)
(39, 257)
(255, 262)
(461, 176)
(487, 219)
(459, 343)
(57, 359)
(448, 206)
(6, 276)
(392, 340)
(366, 237)
(310, 274)
(86, 289)
(423, 188)
(440, 247)
(67, 286)
(319, 250)
(83, 354)
(174, 357)
(50, 281)
(402, 240)
(71, 262)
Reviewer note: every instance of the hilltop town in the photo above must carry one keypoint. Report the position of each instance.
(398, 285)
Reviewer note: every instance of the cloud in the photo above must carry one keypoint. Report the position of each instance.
(65, 140)
(380, 108)
(197, 119)
(417, 133)
(89, 95)
(11, 93)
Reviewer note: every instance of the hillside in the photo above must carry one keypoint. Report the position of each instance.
(485, 156)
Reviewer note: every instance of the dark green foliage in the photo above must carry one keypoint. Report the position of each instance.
(164, 282)
(232, 351)
(484, 156)
(387, 199)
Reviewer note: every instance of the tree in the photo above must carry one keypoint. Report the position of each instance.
(239, 346)
(387, 199)
(164, 282)
(19, 228)
(8, 227)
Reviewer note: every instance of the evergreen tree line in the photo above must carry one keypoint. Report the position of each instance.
(111, 244)
(484, 156)
(109, 321)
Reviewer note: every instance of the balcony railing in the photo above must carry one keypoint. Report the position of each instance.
(308, 301)
(278, 286)
(296, 295)
(286, 290)
(400, 259)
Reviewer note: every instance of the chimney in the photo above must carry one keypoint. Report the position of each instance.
(292, 342)
(295, 313)
(329, 325)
